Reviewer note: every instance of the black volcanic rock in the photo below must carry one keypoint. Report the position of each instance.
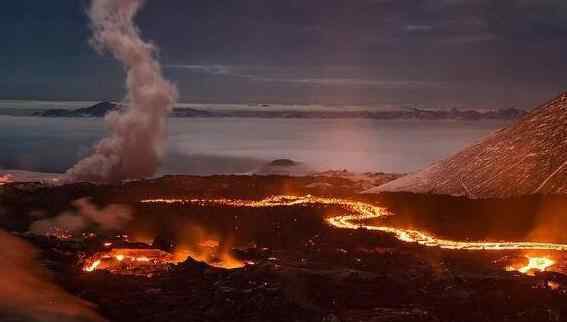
(304, 269)
(529, 157)
(299, 268)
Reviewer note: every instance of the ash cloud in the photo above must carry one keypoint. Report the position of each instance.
(85, 216)
(27, 292)
(136, 141)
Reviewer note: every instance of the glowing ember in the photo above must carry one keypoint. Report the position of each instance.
(129, 261)
(538, 264)
(59, 233)
(553, 285)
(210, 243)
(92, 266)
(145, 261)
(5, 179)
(359, 212)
(211, 255)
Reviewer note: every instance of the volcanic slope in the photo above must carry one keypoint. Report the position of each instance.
(529, 157)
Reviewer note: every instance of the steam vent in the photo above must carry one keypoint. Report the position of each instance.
(529, 157)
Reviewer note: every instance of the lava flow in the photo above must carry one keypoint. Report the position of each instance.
(357, 212)
(142, 261)
(130, 261)
(538, 264)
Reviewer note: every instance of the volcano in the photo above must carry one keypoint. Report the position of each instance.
(529, 157)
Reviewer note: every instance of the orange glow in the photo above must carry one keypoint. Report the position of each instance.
(5, 179)
(220, 260)
(143, 261)
(553, 285)
(129, 261)
(210, 243)
(357, 212)
(209, 250)
(141, 237)
(92, 266)
(538, 264)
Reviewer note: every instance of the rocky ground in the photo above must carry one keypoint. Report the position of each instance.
(303, 269)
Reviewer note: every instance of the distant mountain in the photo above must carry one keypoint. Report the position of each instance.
(101, 109)
(529, 157)
(97, 110)
(285, 167)
(191, 112)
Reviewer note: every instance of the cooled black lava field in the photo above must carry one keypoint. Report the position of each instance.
(295, 265)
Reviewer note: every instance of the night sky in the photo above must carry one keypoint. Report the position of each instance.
(473, 53)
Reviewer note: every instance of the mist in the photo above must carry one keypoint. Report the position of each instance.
(227, 146)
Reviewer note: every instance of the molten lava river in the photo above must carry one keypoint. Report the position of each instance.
(356, 216)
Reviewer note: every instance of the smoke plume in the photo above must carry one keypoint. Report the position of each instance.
(27, 292)
(86, 216)
(136, 141)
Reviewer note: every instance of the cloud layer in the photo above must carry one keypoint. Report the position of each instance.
(505, 52)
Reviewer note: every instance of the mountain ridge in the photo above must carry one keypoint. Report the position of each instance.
(101, 109)
(529, 157)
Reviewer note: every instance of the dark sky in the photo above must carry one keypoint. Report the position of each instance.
(475, 53)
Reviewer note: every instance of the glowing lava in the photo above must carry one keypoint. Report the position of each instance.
(221, 259)
(134, 261)
(5, 179)
(129, 261)
(537, 263)
(357, 212)
(92, 266)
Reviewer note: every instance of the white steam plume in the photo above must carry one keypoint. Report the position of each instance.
(136, 141)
